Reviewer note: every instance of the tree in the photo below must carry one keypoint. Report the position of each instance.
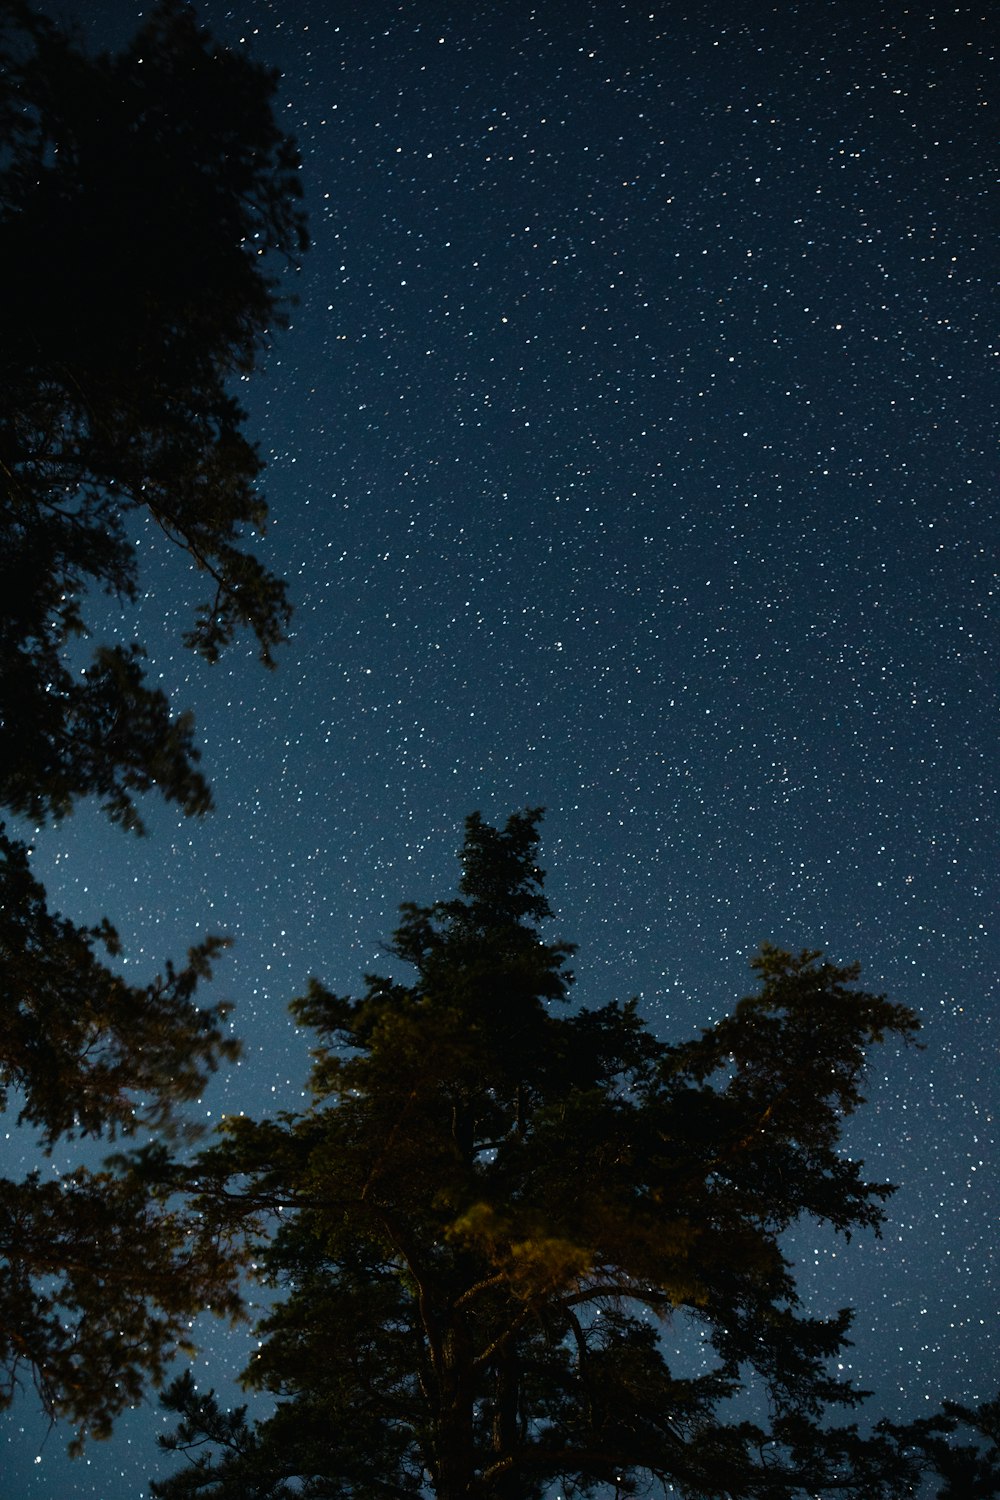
(968, 1470)
(142, 196)
(494, 1210)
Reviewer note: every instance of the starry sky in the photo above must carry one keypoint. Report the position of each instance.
(632, 452)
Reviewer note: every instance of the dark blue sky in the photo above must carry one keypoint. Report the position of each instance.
(632, 452)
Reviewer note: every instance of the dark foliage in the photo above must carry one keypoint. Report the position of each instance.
(81, 1047)
(140, 195)
(142, 198)
(497, 1214)
(100, 1281)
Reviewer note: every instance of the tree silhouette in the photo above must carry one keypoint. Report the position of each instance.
(142, 198)
(495, 1211)
(139, 196)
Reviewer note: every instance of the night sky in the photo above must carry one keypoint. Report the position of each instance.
(632, 452)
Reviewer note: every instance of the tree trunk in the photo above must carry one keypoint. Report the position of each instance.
(455, 1478)
(506, 1427)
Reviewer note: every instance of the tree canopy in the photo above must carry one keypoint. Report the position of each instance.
(141, 197)
(144, 196)
(495, 1211)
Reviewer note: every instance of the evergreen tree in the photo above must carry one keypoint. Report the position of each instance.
(494, 1210)
(141, 197)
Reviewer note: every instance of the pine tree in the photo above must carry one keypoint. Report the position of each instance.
(142, 196)
(139, 195)
(495, 1210)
